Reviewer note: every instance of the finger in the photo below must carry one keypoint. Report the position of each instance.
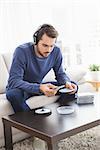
(74, 87)
(69, 86)
(51, 92)
(52, 86)
(72, 92)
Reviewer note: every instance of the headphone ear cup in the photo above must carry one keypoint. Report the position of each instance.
(35, 39)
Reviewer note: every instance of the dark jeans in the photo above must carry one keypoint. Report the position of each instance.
(18, 97)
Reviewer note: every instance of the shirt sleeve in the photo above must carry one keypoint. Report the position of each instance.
(60, 74)
(17, 71)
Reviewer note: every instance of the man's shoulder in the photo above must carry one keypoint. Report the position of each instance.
(25, 45)
(56, 50)
(24, 48)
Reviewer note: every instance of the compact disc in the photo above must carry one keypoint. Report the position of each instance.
(65, 90)
(42, 111)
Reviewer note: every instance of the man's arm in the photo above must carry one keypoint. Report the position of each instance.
(60, 74)
(17, 72)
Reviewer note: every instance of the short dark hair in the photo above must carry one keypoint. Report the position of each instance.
(47, 29)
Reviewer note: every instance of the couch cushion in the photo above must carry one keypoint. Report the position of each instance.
(6, 109)
(3, 75)
(8, 59)
(86, 87)
(50, 76)
(39, 101)
(76, 73)
(5, 106)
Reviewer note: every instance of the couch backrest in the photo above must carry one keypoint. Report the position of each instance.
(75, 73)
(3, 75)
(8, 59)
(5, 63)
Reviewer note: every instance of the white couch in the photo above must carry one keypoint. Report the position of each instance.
(75, 73)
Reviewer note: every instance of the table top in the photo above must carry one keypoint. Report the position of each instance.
(93, 81)
(56, 125)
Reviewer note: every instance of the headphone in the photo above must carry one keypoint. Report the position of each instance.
(36, 35)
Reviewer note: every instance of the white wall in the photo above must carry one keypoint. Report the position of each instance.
(20, 19)
(78, 23)
(86, 29)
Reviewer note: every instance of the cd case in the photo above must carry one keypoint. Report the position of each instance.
(65, 110)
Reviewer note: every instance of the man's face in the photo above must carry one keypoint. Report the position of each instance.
(45, 46)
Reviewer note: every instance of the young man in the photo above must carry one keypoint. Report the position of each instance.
(31, 62)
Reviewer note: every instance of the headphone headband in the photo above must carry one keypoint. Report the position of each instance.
(41, 30)
(35, 36)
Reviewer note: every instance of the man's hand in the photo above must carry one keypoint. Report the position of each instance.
(71, 86)
(48, 89)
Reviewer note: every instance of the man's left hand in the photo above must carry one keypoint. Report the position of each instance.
(71, 86)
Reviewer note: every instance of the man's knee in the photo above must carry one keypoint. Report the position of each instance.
(14, 94)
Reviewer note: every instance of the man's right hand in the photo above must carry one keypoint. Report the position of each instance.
(48, 89)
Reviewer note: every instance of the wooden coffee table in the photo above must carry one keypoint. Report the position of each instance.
(54, 127)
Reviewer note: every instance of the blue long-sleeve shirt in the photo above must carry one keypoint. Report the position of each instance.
(28, 70)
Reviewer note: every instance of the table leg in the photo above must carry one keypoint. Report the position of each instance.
(7, 136)
(52, 146)
(97, 87)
